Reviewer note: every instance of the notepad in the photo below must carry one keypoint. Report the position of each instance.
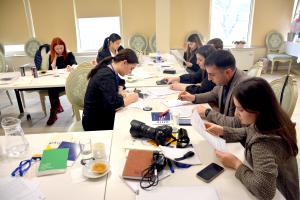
(137, 161)
(159, 120)
(54, 161)
(74, 151)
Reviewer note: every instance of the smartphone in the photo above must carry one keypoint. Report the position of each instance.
(210, 172)
(162, 82)
(169, 71)
(184, 122)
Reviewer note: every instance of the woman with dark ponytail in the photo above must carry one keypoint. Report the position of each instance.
(111, 47)
(102, 97)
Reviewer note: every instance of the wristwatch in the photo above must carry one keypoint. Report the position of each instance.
(207, 112)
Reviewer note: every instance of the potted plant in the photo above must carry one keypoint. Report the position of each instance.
(239, 43)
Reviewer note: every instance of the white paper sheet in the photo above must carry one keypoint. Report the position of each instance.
(175, 103)
(140, 104)
(198, 124)
(179, 193)
(173, 153)
(177, 54)
(19, 188)
(161, 91)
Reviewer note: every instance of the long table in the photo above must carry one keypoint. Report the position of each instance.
(28, 82)
(61, 186)
(227, 186)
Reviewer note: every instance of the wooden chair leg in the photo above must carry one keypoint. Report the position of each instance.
(43, 104)
(290, 66)
(273, 62)
(8, 95)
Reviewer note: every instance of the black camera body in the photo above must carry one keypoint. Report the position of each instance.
(159, 134)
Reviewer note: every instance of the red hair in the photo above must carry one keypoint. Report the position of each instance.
(57, 41)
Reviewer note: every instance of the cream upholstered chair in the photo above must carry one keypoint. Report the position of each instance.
(31, 46)
(76, 85)
(138, 42)
(152, 43)
(3, 69)
(286, 91)
(256, 70)
(274, 42)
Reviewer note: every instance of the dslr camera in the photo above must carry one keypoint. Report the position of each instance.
(159, 134)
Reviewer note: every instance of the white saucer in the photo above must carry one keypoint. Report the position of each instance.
(87, 170)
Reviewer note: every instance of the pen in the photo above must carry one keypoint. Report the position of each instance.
(170, 165)
(164, 113)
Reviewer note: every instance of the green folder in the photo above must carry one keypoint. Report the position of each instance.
(53, 161)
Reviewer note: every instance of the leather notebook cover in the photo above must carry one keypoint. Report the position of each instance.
(137, 161)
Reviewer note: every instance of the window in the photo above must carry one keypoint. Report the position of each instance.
(231, 20)
(13, 49)
(93, 31)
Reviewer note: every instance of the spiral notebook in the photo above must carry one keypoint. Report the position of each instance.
(157, 119)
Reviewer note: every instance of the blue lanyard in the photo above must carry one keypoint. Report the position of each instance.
(24, 166)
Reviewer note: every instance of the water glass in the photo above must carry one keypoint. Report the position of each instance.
(86, 147)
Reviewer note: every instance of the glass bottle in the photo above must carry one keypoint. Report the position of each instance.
(16, 144)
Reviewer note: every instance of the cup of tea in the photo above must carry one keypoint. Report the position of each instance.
(99, 150)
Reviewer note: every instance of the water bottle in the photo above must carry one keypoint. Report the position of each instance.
(16, 144)
(158, 57)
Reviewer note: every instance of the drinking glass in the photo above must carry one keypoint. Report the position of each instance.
(86, 147)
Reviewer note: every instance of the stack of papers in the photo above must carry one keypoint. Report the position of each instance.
(198, 124)
(19, 188)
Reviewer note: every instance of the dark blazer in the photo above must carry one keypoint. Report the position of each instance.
(103, 53)
(205, 85)
(192, 60)
(215, 95)
(61, 63)
(101, 100)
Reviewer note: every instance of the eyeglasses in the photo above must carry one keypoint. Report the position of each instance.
(24, 166)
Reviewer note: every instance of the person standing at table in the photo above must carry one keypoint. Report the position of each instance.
(193, 43)
(59, 58)
(271, 144)
(198, 77)
(102, 98)
(221, 70)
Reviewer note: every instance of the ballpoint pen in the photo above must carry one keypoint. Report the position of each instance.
(164, 113)
(170, 165)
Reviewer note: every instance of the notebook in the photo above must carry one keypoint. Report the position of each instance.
(74, 151)
(54, 161)
(159, 120)
(137, 161)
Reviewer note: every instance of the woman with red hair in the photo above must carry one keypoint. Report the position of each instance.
(59, 59)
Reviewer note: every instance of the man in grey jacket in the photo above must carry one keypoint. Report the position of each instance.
(221, 70)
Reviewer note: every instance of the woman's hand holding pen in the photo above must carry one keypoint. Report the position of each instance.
(130, 98)
(214, 129)
(185, 96)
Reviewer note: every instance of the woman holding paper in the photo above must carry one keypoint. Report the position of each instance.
(271, 145)
(102, 98)
(199, 77)
(193, 43)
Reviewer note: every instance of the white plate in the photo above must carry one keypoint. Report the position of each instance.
(87, 170)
